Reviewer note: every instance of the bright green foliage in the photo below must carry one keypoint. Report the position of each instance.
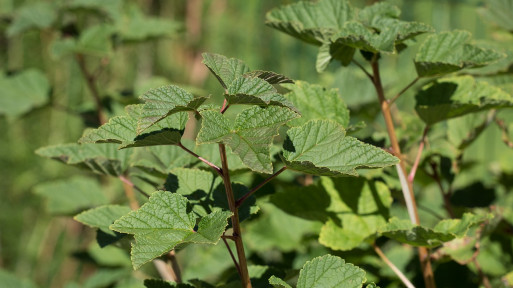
(38, 15)
(23, 92)
(448, 52)
(102, 217)
(71, 195)
(316, 102)
(250, 137)
(165, 101)
(456, 96)
(320, 147)
(404, 231)
(99, 158)
(499, 12)
(123, 130)
(340, 29)
(166, 221)
(326, 271)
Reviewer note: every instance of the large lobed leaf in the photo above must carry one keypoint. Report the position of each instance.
(165, 101)
(448, 52)
(165, 221)
(456, 96)
(321, 147)
(123, 130)
(250, 137)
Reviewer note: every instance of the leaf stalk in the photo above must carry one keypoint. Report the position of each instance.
(241, 200)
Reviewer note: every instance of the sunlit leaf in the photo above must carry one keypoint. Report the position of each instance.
(102, 217)
(225, 69)
(330, 271)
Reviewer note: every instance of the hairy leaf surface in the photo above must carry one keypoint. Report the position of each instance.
(225, 69)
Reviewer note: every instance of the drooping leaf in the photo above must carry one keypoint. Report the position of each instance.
(269, 77)
(69, 196)
(166, 221)
(225, 69)
(320, 147)
(102, 217)
(23, 92)
(456, 96)
(38, 15)
(255, 91)
(99, 158)
(316, 102)
(448, 52)
(123, 130)
(165, 101)
(498, 12)
(250, 137)
(330, 271)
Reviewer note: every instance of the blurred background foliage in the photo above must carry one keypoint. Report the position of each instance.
(129, 46)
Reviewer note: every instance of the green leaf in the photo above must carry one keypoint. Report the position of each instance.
(316, 102)
(165, 101)
(320, 147)
(105, 277)
(269, 77)
(448, 52)
(157, 283)
(102, 217)
(358, 208)
(278, 283)
(111, 8)
(7, 279)
(456, 96)
(95, 41)
(330, 271)
(138, 27)
(255, 91)
(225, 69)
(250, 137)
(23, 92)
(166, 221)
(71, 195)
(38, 15)
(99, 158)
(123, 130)
(498, 12)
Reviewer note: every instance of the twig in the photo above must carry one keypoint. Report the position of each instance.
(244, 275)
(212, 165)
(413, 170)
(90, 79)
(364, 70)
(129, 192)
(225, 106)
(505, 132)
(164, 270)
(175, 268)
(394, 268)
(391, 101)
(243, 198)
(131, 184)
(231, 254)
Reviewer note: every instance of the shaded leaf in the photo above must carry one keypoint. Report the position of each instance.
(165, 101)
(456, 96)
(23, 92)
(7, 279)
(250, 137)
(38, 15)
(111, 8)
(95, 40)
(269, 77)
(166, 221)
(498, 12)
(255, 91)
(102, 217)
(138, 27)
(316, 102)
(71, 195)
(320, 147)
(225, 69)
(278, 283)
(448, 52)
(157, 283)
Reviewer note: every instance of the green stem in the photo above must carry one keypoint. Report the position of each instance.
(237, 235)
(404, 90)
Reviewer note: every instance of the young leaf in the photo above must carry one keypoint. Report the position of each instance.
(225, 69)
(320, 147)
(250, 137)
(448, 52)
(102, 217)
(316, 102)
(330, 271)
(71, 195)
(166, 221)
(123, 130)
(255, 91)
(99, 158)
(165, 101)
(23, 92)
(456, 96)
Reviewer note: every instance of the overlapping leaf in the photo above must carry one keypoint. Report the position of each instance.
(165, 101)
(446, 230)
(165, 221)
(99, 158)
(250, 137)
(326, 271)
(225, 69)
(456, 96)
(269, 77)
(321, 147)
(123, 130)
(102, 217)
(316, 102)
(71, 195)
(255, 91)
(448, 52)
